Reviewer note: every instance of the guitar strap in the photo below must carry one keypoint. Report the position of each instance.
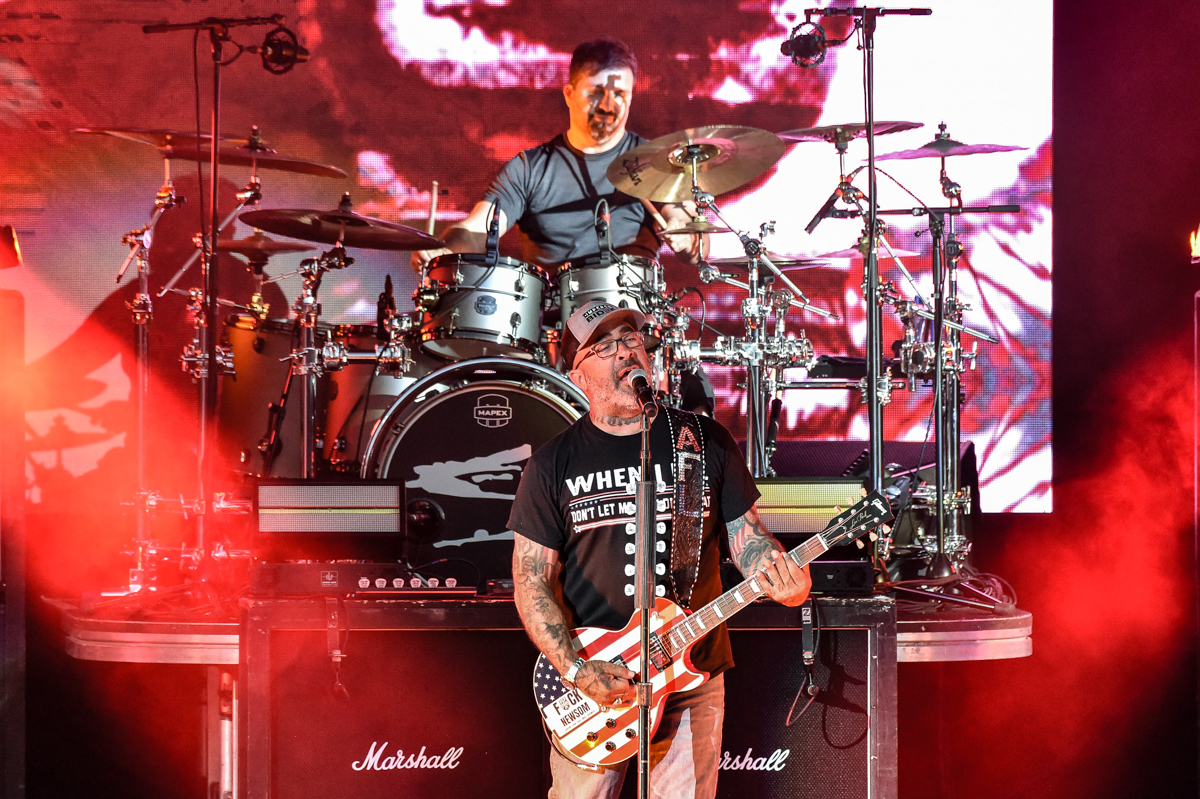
(687, 512)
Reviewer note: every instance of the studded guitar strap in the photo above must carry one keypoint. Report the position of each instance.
(687, 515)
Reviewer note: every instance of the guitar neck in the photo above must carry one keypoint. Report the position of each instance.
(702, 622)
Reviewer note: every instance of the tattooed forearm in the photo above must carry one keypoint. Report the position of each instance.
(750, 545)
(536, 573)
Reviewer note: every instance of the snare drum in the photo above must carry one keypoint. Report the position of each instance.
(628, 282)
(481, 310)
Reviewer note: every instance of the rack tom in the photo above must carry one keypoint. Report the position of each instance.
(481, 310)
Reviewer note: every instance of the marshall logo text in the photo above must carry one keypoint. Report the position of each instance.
(776, 762)
(375, 761)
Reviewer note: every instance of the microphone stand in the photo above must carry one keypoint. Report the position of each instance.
(644, 596)
(210, 361)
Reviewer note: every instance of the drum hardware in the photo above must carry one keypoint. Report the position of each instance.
(252, 194)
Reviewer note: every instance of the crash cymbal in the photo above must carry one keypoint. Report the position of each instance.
(854, 252)
(330, 227)
(160, 137)
(728, 156)
(248, 155)
(844, 133)
(943, 147)
(260, 247)
(782, 261)
(703, 226)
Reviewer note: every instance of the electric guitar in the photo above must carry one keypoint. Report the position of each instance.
(592, 735)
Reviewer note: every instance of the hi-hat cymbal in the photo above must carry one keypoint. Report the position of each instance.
(260, 247)
(854, 252)
(351, 229)
(943, 147)
(161, 137)
(727, 156)
(703, 226)
(844, 133)
(781, 261)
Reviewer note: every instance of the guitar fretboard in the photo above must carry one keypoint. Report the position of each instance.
(848, 526)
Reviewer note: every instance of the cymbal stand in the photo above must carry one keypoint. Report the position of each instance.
(309, 362)
(945, 358)
(143, 574)
(251, 195)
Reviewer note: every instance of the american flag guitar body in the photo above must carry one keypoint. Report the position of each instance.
(592, 735)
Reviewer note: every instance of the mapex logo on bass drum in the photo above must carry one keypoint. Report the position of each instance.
(492, 410)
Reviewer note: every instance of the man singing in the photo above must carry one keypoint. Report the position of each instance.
(573, 561)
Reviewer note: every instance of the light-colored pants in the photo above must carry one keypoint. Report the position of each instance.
(683, 755)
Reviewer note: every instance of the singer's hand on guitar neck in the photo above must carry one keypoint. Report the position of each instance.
(757, 552)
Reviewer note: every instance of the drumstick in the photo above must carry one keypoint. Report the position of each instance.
(654, 213)
(432, 208)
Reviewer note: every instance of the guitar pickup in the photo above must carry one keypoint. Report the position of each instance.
(658, 653)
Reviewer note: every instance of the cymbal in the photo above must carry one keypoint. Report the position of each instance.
(782, 261)
(260, 247)
(943, 147)
(729, 156)
(330, 227)
(844, 133)
(160, 137)
(251, 156)
(698, 227)
(854, 252)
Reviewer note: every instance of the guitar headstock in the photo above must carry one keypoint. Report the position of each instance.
(862, 517)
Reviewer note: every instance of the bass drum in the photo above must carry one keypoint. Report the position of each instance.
(459, 438)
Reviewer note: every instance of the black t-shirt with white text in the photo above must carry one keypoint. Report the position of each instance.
(550, 193)
(576, 496)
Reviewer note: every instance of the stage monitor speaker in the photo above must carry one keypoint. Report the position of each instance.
(411, 700)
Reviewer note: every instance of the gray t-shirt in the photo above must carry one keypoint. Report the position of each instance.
(550, 192)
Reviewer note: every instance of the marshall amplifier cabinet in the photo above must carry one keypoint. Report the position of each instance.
(412, 699)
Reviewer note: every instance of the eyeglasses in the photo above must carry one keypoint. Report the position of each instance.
(607, 349)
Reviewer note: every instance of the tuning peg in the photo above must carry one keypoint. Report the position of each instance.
(873, 536)
(858, 543)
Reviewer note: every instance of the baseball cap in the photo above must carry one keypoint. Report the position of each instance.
(585, 323)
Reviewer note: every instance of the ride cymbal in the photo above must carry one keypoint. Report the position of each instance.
(341, 225)
(260, 247)
(844, 133)
(161, 137)
(726, 157)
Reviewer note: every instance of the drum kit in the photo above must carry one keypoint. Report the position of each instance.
(484, 329)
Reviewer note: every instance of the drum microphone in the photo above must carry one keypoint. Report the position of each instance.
(806, 49)
(645, 395)
(827, 209)
(602, 221)
(493, 237)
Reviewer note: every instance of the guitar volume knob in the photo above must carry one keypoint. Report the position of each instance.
(631, 733)
(591, 736)
(610, 746)
(610, 723)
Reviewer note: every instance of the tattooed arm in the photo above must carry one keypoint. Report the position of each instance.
(537, 580)
(755, 550)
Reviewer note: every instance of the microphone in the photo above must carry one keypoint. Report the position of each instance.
(827, 209)
(645, 395)
(602, 220)
(806, 49)
(385, 309)
(281, 51)
(493, 237)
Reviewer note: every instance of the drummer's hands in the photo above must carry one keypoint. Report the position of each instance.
(687, 246)
(421, 258)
